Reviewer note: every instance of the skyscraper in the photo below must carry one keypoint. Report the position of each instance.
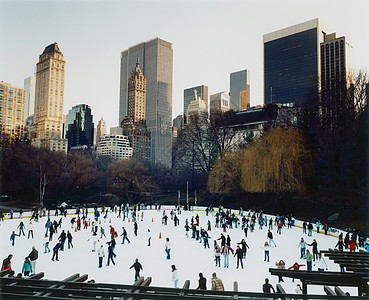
(12, 105)
(196, 107)
(240, 82)
(219, 101)
(156, 60)
(292, 62)
(189, 95)
(100, 129)
(49, 100)
(79, 126)
(30, 87)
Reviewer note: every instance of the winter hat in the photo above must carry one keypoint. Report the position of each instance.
(136, 259)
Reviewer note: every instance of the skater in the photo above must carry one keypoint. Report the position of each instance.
(280, 265)
(309, 258)
(167, 248)
(101, 255)
(318, 224)
(12, 237)
(21, 228)
(225, 251)
(270, 238)
(217, 256)
(315, 249)
(70, 238)
(124, 234)
(352, 245)
(175, 276)
(302, 244)
(138, 267)
(239, 254)
(202, 282)
(135, 228)
(62, 238)
(244, 247)
(56, 249)
(320, 264)
(223, 240)
(110, 253)
(48, 224)
(340, 245)
(102, 232)
(310, 229)
(267, 287)
(27, 268)
(33, 256)
(148, 237)
(46, 244)
(216, 283)
(304, 225)
(295, 267)
(266, 251)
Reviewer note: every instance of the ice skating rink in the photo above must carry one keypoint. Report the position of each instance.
(188, 255)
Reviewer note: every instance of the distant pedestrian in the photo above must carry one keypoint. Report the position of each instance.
(168, 247)
(124, 234)
(148, 237)
(216, 283)
(56, 249)
(175, 276)
(138, 267)
(202, 282)
(135, 228)
(70, 238)
(267, 287)
(110, 254)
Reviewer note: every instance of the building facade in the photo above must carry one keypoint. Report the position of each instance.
(30, 87)
(79, 126)
(196, 107)
(240, 90)
(220, 101)
(292, 63)
(114, 146)
(12, 110)
(100, 129)
(49, 98)
(189, 95)
(156, 61)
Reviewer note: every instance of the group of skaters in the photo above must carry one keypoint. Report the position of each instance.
(28, 268)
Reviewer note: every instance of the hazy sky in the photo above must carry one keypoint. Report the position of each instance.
(210, 40)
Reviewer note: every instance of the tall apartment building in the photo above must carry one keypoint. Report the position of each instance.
(114, 146)
(156, 61)
(240, 90)
(12, 107)
(100, 129)
(334, 71)
(220, 101)
(292, 62)
(30, 87)
(49, 100)
(79, 126)
(189, 95)
(134, 125)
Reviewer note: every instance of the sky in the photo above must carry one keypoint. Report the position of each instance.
(188, 255)
(210, 40)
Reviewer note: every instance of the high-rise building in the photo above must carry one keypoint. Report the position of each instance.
(220, 102)
(30, 87)
(49, 99)
(79, 126)
(292, 62)
(240, 90)
(134, 125)
(100, 129)
(334, 71)
(114, 146)
(12, 106)
(189, 95)
(178, 122)
(156, 61)
(196, 107)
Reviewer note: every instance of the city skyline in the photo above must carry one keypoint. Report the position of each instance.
(204, 52)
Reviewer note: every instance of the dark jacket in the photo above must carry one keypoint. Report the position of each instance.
(137, 266)
(202, 283)
(33, 255)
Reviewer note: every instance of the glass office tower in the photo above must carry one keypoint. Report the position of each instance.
(156, 60)
(292, 62)
(239, 81)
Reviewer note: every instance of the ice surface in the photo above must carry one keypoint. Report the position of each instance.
(188, 255)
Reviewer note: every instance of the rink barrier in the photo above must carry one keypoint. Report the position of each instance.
(173, 208)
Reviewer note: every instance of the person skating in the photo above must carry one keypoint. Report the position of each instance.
(27, 268)
(340, 244)
(175, 276)
(135, 228)
(302, 244)
(168, 247)
(309, 258)
(124, 234)
(48, 224)
(270, 238)
(222, 239)
(266, 251)
(138, 267)
(216, 283)
(310, 229)
(101, 255)
(33, 256)
(281, 265)
(21, 228)
(12, 237)
(244, 247)
(110, 254)
(70, 238)
(62, 238)
(202, 282)
(267, 287)
(239, 254)
(295, 267)
(315, 249)
(56, 249)
(225, 251)
(304, 226)
(148, 237)
(320, 263)
(352, 245)
(46, 244)
(217, 254)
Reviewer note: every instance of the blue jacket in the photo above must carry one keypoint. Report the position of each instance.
(26, 266)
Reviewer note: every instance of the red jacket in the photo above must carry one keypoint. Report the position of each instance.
(352, 245)
(296, 267)
(6, 265)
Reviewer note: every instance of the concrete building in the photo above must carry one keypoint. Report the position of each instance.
(12, 107)
(49, 99)
(220, 101)
(116, 130)
(240, 90)
(79, 126)
(196, 107)
(114, 146)
(292, 63)
(189, 95)
(30, 87)
(100, 129)
(156, 61)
